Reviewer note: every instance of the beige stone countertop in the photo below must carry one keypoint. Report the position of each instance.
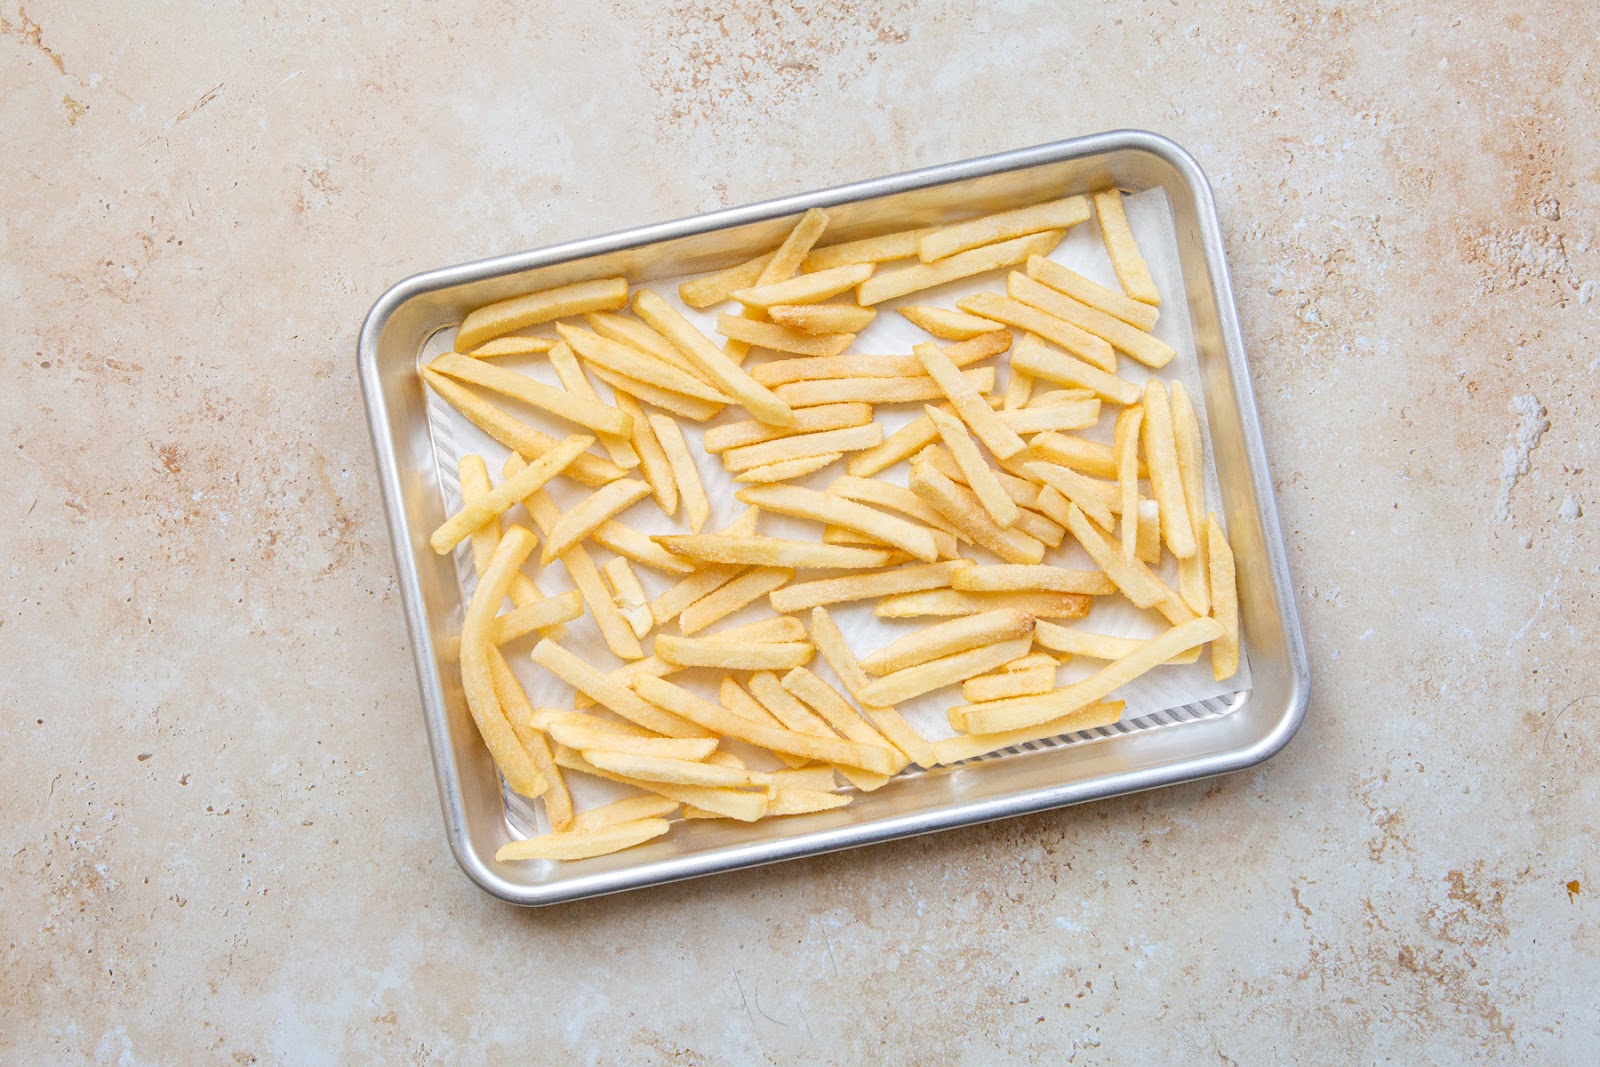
(221, 837)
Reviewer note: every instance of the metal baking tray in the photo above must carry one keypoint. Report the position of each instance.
(1180, 745)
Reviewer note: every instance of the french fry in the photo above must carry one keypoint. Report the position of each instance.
(876, 390)
(1029, 682)
(807, 288)
(980, 478)
(782, 628)
(579, 521)
(672, 771)
(588, 738)
(708, 289)
(762, 551)
(653, 462)
(736, 700)
(787, 260)
(1034, 659)
(685, 407)
(628, 595)
(511, 346)
(696, 508)
(1035, 359)
(1002, 226)
(820, 507)
(1022, 492)
(1224, 602)
(591, 414)
(583, 844)
(830, 642)
(741, 804)
(784, 371)
(625, 810)
(1193, 571)
(695, 652)
(811, 420)
(745, 589)
(822, 318)
(969, 746)
(827, 702)
(955, 602)
(1021, 712)
(1068, 281)
(557, 800)
(781, 338)
(904, 443)
(1166, 480)
(539, 615)
(1137, 582)
(502, 497)
(947, 324)
(1077, 415)
(888, 495)
(1095, 646)
(1146, 348)
(1053, 397)
(899, 281)
(670, 605)
(1090, 349)
(515, 434)
(1086, 457)
(973, 408)
(1126, 259)
(616, 631)
(862, 586)
(487, 323)
(961, 507)
(622, 540)
(1019, 385)
(623, 359)
(802, 446)
(1129, 422)
(1013, 578)
(474, 475)
(686, 705)
(574, 381)
(1076, 488)
(722, 371)
(787, 708)
(583, 677)
(787, 469)
(949, 670)
(805, 801)
(638, 335)
(948, 638)
(879, 249)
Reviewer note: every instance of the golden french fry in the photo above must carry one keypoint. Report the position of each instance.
(1077, 415)
(1126, 259)
(822, 318)
(602, 418)
(781, 338)
(539, 615)
(616, 631)
(805, 801)
(1166, 480)
(1192, 572)
(1014, 578)
(1082, 491)
(980, 478)
(760, 551)
(670, 605)
(686, 407)
(474, 474)
(863, 586)
(722, 371)
(557, 800)
(787, 469)
(1068, 281)
(515, 434)
(1002, 226)
(782, 628)
(1224, 602)
(1093, 350)
(1022, 492)
(583, 677)
(968, 746)
(745, 589)
(811, 420)
(1096, 646)
(831, 643)
(802, 446)
(787, 708)
(795, 247)
(709, 289)
(1137, 582)
(477, 672)
(1129, 423)
(807, 288)
(583, 844)
(1147, 349)
(962, 508)
(574, 381)
(973, 408)
(820, 507)
(624, 359)
(579, 521)
(511, 346)
(1087, 457)
(588, 738)
(1052, 397)
(1029, 682)
(783, 371)
(741, 804)
(1035, 359)
(696, 508)
(904, 443)
(486, 323)
(888, 495)
(625, 810)
(955, 602)
(876, 390)
(736, 700)
(948, 638)
(888, 284)
(831, 705)
(947, 670)
(641, 337)
(947, 324)
(878, 249)
(697, 652)
(628, 595)
(1019, 386)
(507, 494)
(670, 770)
(653, 462)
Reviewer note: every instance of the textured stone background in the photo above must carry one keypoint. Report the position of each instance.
(220, 833)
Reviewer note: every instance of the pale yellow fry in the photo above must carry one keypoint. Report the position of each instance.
(756, 550)
(805, 801)
(722, 371)
(1149, 547)
(880, 249)
(625, 675)
(949, 670)
(1002, 226)
(557, 800)
(602, 294)
(504, 496)
(968, 746)
(671, 771)
(889, 495)
(670, 605)
(579, 521)
(1068, 281)
(1137, 582)
(781, 338)
(602, 418)
(741, 703)
(623, 540)
(474, 475)
(898, 281)
(830, 642)
(1022, 492)
(1034, 659)
(1076, 642)
(831, 705)
(805, 289)
(586, 738)
(1094, 350)
(782, 628)
(901, 445)
(686, 407)
(784, 371)
(696, 507)
(574, 381)
(742, 804)
(626, 360)
(956, 602)
(822, 318)
(973, 408)
(1192, 572)
(786, 708)
(1076, 488)
(787, 469)
(653, 462)
(787, 260)
(583, 677)
(696, 652)
(1126, 259)
(640, 336)
(713, 288)
(583, 844)
(628, 595)
(1077, 415)
(947, 324)
(876, 390)
(1019, 385)
(801, 446)
(811, 420)
(1021, 712)
(477, 672)
(539, 615)
(979, 477)
(1126, 434)
(1015, 578)
(515, 434)
(1029, 682)
(1166, 480)
(626, 810)
(863, 586)
(962, 508)
(616, 631)
(820, 507)
(511, 346)
(949, 544)
(825, 750)
(1052, 397)
(948, 638)
(1147, 349)
(1087, 457)
(1224, 602)
(1034, 358)
(745, 589)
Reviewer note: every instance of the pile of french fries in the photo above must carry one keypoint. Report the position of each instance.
(1002, 472)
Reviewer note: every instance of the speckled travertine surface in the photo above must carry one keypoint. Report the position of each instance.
(220, 834)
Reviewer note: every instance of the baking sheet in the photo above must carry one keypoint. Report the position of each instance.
(1170, 687)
